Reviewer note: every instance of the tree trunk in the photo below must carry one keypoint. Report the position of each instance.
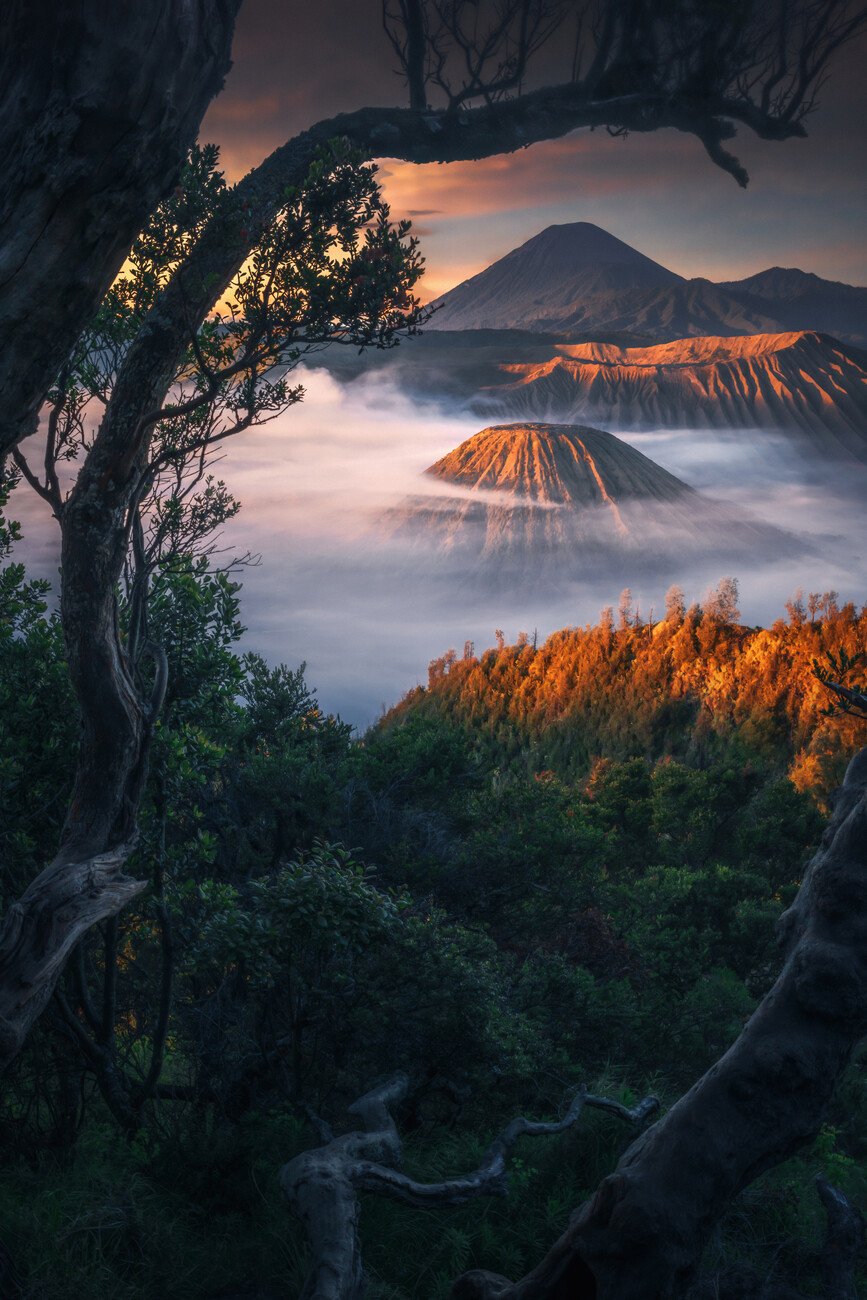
(642, 1234)
(85, 882)
(115, 731)
(99, 102)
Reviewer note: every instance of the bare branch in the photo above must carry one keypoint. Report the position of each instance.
(404, 23)
(767, 59)
(39, 488)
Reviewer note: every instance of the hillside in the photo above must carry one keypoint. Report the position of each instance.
(800, 300)
(807, 382)
(692, 684)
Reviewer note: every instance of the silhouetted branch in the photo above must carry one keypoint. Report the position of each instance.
(405, 26)
(22, 464)
(760, 63)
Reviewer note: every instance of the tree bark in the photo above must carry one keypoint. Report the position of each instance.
(115, 729)
(641, 1235)
(99, 103)
(844, 1241)
(44, 926)
(84, 883)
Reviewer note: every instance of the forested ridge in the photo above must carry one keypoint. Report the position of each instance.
(692, 684)
(555, 867)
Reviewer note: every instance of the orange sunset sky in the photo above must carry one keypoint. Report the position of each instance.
(806, 204)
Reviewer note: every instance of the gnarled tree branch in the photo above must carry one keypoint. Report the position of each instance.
(322, 1185)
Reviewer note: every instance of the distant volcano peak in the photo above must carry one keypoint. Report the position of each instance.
(548, 277)
(581, 244)
(578, 280)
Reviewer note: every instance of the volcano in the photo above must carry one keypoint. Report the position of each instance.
(552, 503)
(579, 280)
(557, 464)
(550, 283)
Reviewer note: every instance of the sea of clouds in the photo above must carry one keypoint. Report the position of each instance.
(334, 590)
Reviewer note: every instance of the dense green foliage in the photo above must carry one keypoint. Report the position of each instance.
(502, 895)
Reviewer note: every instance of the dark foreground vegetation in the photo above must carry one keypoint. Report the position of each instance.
(555, 867)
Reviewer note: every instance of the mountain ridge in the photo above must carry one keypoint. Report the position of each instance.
(578, 277)
(802, 382)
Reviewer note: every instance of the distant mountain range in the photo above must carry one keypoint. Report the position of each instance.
(803, 382)
(531, 502)
(577, 327)
(578, 279)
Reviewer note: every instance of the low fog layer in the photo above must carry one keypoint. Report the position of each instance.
(367, 614)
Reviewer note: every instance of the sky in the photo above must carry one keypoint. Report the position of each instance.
(806, 204)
